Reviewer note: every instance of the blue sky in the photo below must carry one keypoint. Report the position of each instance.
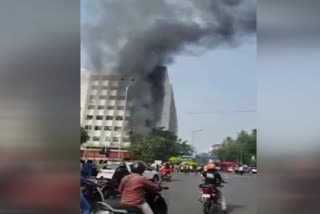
(223, 79)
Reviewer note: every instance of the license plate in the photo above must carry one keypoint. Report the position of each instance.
(205, 196)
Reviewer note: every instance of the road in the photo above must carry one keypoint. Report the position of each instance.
(182, 197)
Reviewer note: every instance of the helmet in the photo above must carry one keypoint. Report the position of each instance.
(138, 167)
(123, 165)
(211, 166)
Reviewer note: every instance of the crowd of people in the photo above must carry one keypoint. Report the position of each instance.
(132, 185)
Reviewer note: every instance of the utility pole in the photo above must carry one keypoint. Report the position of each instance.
(124, 119)
(193, 135)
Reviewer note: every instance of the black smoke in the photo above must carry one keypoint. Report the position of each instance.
(136, 38)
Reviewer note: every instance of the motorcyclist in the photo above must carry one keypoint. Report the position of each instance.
(133, 187)
(119, 173)
(165, 169)
(212, 176)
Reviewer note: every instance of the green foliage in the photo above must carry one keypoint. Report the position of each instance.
(159, 144)
(191, 163)
(175, 161)
(84, 136)
(242, 149)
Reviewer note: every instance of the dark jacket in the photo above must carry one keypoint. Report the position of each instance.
(213, 177)
(119, 174)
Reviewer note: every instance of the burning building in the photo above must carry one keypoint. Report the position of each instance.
(112, 107)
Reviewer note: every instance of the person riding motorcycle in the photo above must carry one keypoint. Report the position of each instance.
(165, 169)
(119, 174)
(133, 187)
(212, 176)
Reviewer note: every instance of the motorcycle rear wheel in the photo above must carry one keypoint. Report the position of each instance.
(215, 209)
(206, 207)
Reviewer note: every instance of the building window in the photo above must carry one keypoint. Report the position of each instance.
(94, 87)
(127, 118)
(121, 97)
(92, 97)
(120, 107)
(116, 139)
(95, 138)
(104, 87)
(97, 128)
(117, 128)
(107, 128)
(103, 97)
(105, 78)
(91, 107)
(99, 117)
(126, 139)
(112, 97)
(87, 127)
(96, 77)
(119, 118)
(114, 88)
(110, 107)
(100, 107)
(109, 118)
(108, 139)
(89, 117)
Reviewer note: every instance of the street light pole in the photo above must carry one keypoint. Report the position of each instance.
(124, 119)
(193, 134)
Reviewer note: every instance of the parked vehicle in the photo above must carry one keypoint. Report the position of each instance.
(110, 169)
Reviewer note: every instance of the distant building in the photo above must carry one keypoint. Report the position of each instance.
(205, 157)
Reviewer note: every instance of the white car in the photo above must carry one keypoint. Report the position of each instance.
(108, 173)
(254, 170)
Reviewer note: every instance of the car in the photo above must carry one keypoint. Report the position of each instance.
(110, 169)
(254, 170)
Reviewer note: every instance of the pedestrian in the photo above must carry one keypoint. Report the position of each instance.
(84, 205)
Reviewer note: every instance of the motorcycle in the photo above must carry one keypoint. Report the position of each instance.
(92, 191)
(109, 189)
(210, 198)
(165, 176)
(156, 202)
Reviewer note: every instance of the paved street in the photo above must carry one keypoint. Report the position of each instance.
(184, 192)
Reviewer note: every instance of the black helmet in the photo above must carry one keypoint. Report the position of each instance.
(123, 165)
(138, 167)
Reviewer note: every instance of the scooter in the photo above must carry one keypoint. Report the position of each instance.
(155, 200)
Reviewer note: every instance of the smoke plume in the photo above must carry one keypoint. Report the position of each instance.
(135, 38)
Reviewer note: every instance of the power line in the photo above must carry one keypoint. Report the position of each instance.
(222, 112)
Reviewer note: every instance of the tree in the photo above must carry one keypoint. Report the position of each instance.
(175, 161)
(242, 149)
(84, 136)
(159, 144)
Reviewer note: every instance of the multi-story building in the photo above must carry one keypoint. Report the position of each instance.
(104, 113)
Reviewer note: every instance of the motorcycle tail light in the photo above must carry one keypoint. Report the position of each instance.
(207, 191)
